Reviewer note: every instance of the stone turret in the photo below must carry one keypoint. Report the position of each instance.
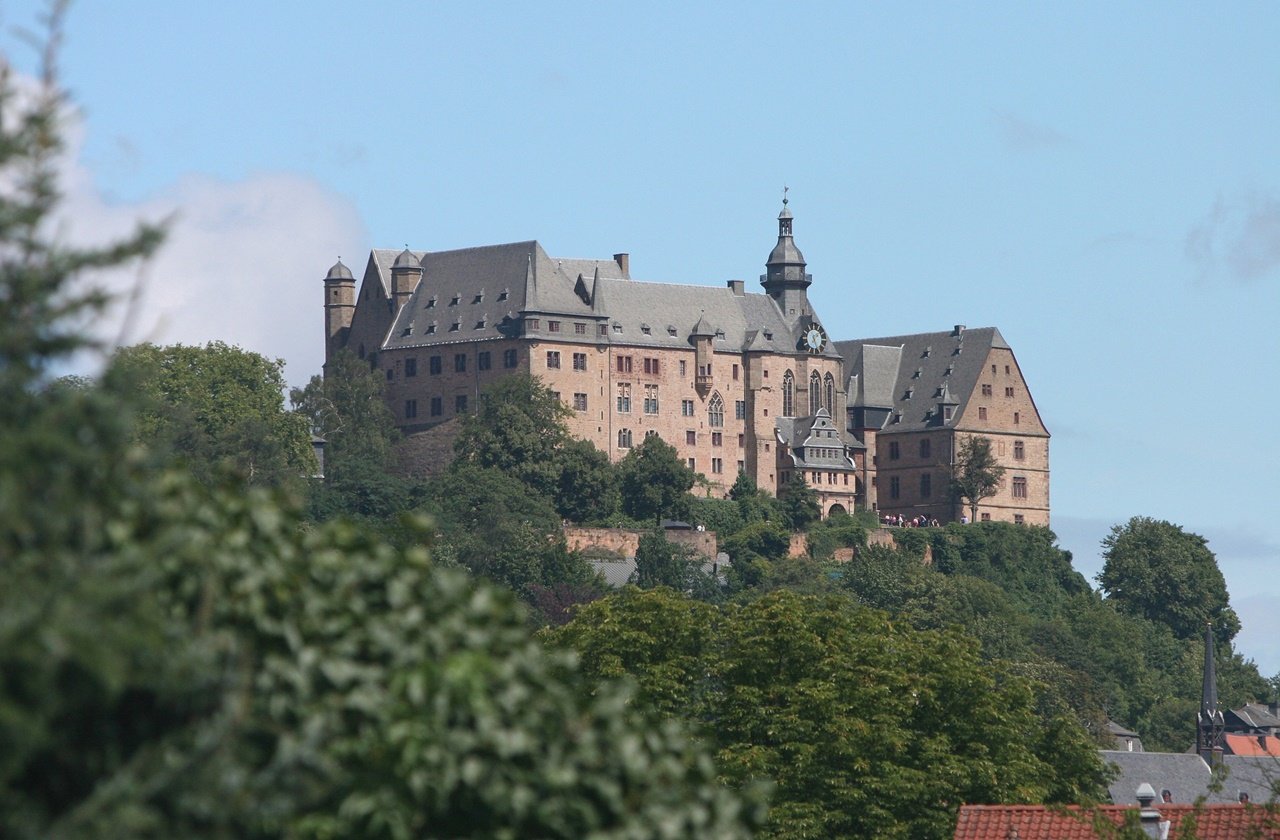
(339, 307)
(406, 273)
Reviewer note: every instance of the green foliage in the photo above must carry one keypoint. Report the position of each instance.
(218, 408)
(189, 660)
(866, 727)
(660, 562)
(838, 531)
(798, 503)
(1156, 570)
(751, 551)
(347, 409)
(976, 474)
(654, 481)
(722, 516)
(519, 429)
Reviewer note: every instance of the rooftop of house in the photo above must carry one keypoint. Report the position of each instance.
(1188, 778)
(1047, 822)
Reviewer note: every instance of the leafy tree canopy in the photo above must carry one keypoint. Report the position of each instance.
(798, 503)
(1156, 570)
(654, 481)
(219, 407)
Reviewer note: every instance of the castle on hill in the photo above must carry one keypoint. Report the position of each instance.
(736, 381)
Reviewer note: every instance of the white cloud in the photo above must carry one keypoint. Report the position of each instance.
(243, 261)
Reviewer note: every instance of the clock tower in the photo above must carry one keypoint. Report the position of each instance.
(785, 279)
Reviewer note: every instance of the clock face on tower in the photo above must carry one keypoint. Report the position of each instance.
(814, 339)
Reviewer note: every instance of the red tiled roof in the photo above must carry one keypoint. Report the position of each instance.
(1253, 745)
(1041, 822)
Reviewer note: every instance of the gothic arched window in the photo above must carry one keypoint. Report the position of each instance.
(715, 411)
(788, 395)
(815, 393)
(829, 394)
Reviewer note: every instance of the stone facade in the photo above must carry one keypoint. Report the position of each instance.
(735, 381)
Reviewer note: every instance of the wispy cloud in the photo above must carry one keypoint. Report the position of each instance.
(1023, 135)
(1239, 239)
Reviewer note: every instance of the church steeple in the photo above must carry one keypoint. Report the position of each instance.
(785, 279)
(1209, 721)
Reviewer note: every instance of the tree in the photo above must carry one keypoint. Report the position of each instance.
(654, 481)
(519, 428)
(660, 562)
(1156, 570)
(182, 659)
(809, 691)
(346, 407)
(799, 503)
(976, 474)
(219, 407)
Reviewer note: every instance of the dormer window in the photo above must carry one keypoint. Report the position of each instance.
(431, 328)
(480, 324)
(671, 330)
(768, 335)
(908, 394)
(503, 295)
(948, 371)
(431, 304)
(719, 333)
(926, 352)
(916, 375)
(478, 298)
(455, 326)
(644, 328)
(617, 327)
(456, 299)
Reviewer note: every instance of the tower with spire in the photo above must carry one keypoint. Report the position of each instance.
(785, 279)
(1209, 720)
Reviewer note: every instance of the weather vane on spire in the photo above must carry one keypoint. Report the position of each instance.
(784, 193)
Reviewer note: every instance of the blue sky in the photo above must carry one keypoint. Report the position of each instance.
(1099, 180)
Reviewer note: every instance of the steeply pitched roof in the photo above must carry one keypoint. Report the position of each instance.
(494, 285)
(1237, 744)
(910, 372)
(1042, 822)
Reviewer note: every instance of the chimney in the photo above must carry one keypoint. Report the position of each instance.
(1153, 822)
(957, 329)
(624, 263)
(736, 286)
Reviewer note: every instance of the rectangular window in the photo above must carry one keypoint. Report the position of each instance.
(735, 373)
(553, 360)
(603, 329)
(1019, 450)
(740, 410)
(624, 438)
(579, 402)
(717, 465)
(555, 395)
(982, 412)
(553, 326)
(410, 409)
(926, 485)
(579, 329)
(651, 366)
(460, 403)
(741, 440)
(509, 358)
(926, 447)
(651, 399)
(742, 466)
(624, 397)
(1016, 418)
(986, 390)
(579, 361)
(434, 365)
(691, 437)
(717, 439)
(993, 370)
(484, 360)
(686, 408)
(460, 362)
(684, 368)
(437, 406)
(390, 374)
(410, 367)
(531, 324)
(624, 364)
(894, 454)
(693, 465)
(1019, 487)
(894, 487)
(986, 517)
(1018, 519)
(1008, 392)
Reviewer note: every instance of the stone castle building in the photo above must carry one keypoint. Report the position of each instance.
(736, 381)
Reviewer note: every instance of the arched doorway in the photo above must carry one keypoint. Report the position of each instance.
(837, 510)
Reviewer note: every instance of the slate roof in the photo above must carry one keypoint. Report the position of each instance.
(1041, 822)
(483, 293)
(910, 373)
(1254, 716)
(804, 436)
(1188, 778)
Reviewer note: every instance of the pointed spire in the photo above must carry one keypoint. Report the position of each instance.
(1209, 720)
(530, 285)
(702, 327)
(785, 279)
